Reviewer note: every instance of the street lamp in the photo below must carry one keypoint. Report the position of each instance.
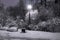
(29, 7)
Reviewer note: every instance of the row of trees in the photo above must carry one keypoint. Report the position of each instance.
(46, 9)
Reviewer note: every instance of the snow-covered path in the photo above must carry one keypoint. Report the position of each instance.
(30, 35)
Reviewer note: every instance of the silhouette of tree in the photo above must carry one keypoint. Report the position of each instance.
(18, 10)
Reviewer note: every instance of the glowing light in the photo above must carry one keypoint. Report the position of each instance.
(29, 7)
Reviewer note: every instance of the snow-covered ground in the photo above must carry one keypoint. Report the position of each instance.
(29, 35)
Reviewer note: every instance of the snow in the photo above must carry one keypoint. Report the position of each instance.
(33, 14)
(30, 35)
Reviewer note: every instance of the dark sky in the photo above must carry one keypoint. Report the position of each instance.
(9, 2)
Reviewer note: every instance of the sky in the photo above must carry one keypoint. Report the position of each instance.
(9, 2)
(12, 2)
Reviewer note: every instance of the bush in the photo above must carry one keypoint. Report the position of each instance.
(51, 25)
(54, 24)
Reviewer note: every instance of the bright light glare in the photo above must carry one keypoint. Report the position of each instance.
(29, 7)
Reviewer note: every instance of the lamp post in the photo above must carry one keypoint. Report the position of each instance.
(29, 7)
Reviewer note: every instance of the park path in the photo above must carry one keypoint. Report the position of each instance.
(29, 35)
